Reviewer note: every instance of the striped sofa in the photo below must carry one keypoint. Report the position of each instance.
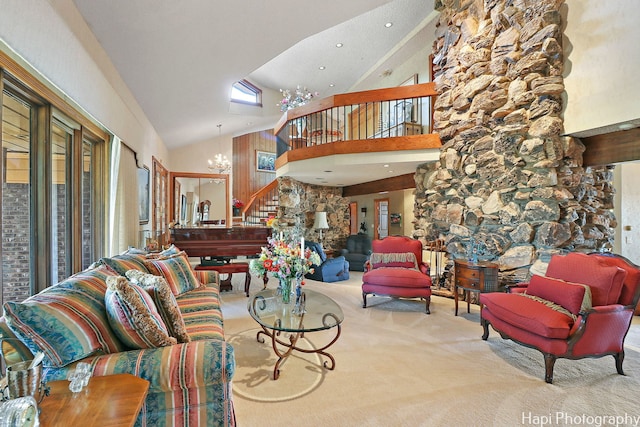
(190, 382)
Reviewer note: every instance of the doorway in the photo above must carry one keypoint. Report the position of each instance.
(381, 218)
(353, 218)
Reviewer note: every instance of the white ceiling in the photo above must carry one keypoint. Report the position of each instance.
(180, 58)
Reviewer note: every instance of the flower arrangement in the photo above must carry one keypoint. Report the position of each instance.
(284, 260)
(295, 99)
(272, 222)
(238, 203)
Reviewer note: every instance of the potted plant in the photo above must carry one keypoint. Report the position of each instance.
(237, 205)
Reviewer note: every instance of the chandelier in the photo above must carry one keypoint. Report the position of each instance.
(296, 98)
(220, 164)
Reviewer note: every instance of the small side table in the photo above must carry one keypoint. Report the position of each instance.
(111, 400)
(474, 277)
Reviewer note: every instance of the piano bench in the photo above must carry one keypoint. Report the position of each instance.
(230, 268)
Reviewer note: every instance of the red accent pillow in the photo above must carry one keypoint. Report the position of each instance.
(568, 295)
(605, 280)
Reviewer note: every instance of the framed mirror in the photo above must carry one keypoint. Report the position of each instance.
(200, 199)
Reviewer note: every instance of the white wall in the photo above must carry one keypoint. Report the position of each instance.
(602, 56)
(52, 38)
(628, 231)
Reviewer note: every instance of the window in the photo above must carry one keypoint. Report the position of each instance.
(17, 121)
(62, 138)
(52, 198)
(91, 196)
(246, 93)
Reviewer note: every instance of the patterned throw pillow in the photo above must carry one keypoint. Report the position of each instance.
(165, 302)
(67, 321)
(165, 253)
(171, 250)
(125, 262)
(133, 315)
(177, 271)
(400, 259)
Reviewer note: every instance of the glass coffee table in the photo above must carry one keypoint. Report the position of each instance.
(285, 325)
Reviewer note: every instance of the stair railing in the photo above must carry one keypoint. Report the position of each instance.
(264, 201)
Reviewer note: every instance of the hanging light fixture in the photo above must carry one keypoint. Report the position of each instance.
(220, 165)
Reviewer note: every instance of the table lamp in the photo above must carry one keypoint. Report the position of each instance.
(320, 223)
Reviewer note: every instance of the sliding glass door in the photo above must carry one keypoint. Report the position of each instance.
(17, 126)
(52, 199)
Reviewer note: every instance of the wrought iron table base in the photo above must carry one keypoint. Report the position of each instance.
(291, 345)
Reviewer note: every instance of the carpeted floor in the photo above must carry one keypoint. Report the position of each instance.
(397, 366)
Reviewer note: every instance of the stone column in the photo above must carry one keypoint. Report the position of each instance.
(507, 179)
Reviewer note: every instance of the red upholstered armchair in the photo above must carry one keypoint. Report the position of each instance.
(582, 307)
(395, 269)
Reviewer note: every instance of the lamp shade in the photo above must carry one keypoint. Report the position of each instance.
(320, 221)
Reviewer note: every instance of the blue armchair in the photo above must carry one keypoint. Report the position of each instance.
(358, 251)
(331, 269)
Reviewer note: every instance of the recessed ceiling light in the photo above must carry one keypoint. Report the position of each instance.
(322, 67)
(331, 85)
(388, 25)
(339, 45)
(386, 166)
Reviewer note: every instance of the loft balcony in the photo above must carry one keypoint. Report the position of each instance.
(358, 137)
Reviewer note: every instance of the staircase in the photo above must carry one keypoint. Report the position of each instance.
(262, 204)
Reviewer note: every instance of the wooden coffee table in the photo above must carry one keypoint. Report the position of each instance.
(111, 400)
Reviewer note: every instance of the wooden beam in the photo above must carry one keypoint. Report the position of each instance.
(609, 148)
(401, 182)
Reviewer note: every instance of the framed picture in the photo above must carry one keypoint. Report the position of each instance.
(143, 194)
(265, 162)
(395, 218)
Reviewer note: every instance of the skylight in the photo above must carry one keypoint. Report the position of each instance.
(246, 93)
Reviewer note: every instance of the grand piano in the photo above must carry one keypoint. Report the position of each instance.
(220, 242)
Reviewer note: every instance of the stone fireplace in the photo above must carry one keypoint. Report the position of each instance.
(507, 180)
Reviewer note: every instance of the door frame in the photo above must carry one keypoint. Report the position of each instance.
(376, 218)
(353, 218)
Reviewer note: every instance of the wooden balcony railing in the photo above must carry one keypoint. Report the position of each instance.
(391, 119)
(399, 112)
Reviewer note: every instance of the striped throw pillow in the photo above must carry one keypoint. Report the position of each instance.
(67, 321)
(177, 272)
(125, 262)
(133, 315)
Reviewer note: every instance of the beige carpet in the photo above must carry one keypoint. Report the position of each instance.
(397, 366)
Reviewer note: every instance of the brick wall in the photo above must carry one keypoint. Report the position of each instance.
(15, 242)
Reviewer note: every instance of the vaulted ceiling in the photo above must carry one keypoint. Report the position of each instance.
(179, 58)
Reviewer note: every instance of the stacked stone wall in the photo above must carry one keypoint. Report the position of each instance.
(507, 180)
(298, 203)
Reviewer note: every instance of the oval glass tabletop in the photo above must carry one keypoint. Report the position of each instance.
(321, 312)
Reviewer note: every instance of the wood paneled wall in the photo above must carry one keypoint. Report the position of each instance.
(246, 178)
